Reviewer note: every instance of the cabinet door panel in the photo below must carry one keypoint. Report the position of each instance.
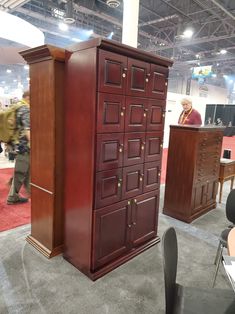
(153, 147)
(137, 75)
(110, 113)
(199, 197)
(156, 115)
(134, 144)
(144, 218)
(152, 175)
(157, 87)
(132, 181)
(109, 152)
(211, 191)
(135, 117)
(111, 235)
(108, 187)
(112, 78)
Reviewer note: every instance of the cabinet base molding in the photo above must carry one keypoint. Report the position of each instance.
(118, 262)
(42, 249)
(189, 219)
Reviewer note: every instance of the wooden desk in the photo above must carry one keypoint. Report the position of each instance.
(227, 172)
(231, 242)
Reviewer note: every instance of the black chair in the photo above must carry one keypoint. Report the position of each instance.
(190, 300)
(230, 214)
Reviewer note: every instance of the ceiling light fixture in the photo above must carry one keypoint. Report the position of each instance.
(113, 3)
(63, 27)
(188, 33)
(223, 51)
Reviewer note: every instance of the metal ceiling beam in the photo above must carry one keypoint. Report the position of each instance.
(163, 19)
(223, 9)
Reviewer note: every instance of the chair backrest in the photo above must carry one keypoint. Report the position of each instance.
(230, 206)
(170, 259)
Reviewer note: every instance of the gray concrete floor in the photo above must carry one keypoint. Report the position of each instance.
(30, 283)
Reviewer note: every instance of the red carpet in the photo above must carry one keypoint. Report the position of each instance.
(11, 216)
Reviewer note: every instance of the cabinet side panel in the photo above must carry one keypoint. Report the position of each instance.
(59, 153)
(42, 124)
(180, 171)
(80, 125)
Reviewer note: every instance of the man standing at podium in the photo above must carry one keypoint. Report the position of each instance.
(189, 115)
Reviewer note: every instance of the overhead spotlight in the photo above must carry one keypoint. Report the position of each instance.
(197, 56)
(110, 35)
(63, 26)
(8, 71)
(223, 51)
(113, 3)
(26, 67)
(188, 33)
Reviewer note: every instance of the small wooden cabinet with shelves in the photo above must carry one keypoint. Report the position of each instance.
(115, 109)
(192, 171)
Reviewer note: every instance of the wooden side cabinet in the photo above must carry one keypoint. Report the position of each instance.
(47, 149)
(227, 172)
(192, 171)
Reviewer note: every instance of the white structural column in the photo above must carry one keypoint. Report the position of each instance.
(130, 22)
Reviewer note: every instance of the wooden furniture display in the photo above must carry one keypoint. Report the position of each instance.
(192, 171)
(46, 110)
(115, 107)
(227, 172)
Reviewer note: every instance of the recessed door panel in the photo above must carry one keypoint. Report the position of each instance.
(136, 114)
(112, 72)
(157, 87)
(134, 147)
(111, 235)
(132, 181)
(156, 115)
(108, 187)
(109, 152)
(144, 218)
(152, 174)
(111, 111)
(137, 78)
(153, 148)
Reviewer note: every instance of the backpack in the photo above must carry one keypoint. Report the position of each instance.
(9, 132)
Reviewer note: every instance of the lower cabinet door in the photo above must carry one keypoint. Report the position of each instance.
(204, 194)
(144, 218)
(111, 233)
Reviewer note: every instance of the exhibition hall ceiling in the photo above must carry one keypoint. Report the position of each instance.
(164, 28)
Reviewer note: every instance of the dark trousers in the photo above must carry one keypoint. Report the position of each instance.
(21, 176)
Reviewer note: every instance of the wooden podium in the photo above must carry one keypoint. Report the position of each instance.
(192, 171)
(46, 109)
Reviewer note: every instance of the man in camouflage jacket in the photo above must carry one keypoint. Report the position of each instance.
(22, 163)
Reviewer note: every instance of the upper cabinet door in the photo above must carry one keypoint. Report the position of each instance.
(112, 72)
(155, 115)
(134, 146)
(108, 187)
(109, 151)
(157, 85)
(136, 114)
(153, 147)
(111, 111)
(137, 77)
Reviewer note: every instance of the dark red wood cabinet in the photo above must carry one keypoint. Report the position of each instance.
(114, 112)
(192, 171)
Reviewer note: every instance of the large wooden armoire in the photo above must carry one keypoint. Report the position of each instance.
(114, 113)
(192, 171)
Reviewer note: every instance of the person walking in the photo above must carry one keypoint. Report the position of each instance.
(22, 162)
